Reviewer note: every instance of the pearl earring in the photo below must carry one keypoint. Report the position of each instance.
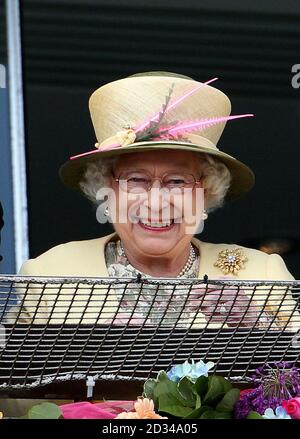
(204, 215)
(106, 211)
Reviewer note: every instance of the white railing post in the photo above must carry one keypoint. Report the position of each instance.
(17, 137)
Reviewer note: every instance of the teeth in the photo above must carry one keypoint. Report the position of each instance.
(156, 224)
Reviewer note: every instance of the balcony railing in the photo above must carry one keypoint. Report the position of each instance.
(122, 331)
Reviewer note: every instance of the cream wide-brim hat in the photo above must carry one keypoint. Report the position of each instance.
(120, 108)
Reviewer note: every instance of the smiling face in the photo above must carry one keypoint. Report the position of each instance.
(158, 222)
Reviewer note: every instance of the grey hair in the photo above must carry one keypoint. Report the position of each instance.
(216, 181)
(215, 174)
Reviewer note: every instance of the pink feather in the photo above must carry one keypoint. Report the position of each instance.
(202, 124)
(173, 104)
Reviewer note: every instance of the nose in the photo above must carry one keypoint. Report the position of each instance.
(156, 183)
(156, 199)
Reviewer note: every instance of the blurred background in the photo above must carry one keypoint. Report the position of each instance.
(68, 48)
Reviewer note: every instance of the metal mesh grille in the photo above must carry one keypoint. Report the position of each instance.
(60, 329)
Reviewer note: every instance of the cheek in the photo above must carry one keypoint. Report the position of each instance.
(198, 202)
(119, 207)
(190, 205)
(127, 210)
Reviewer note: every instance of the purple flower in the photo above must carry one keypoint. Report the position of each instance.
(254, 401)
(279, 380)
(274, 383)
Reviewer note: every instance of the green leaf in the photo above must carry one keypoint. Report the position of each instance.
(208, 414)
(228, 401)
(167, 387)
(198, 402)
(195, 414)
(154, 387)
(226, 384)
(204, 408)
(254, 415)
(187, 391)
(162, 376)
(46, 410)
(201, 386)
(223, 415)
(149, 386)
(215, 414)
(169, 404)
(198, 409)
(215, 391)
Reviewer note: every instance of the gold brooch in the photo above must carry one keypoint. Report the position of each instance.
(231, 261)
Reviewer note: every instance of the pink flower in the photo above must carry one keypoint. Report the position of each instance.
(292, 407)
(144, 409)
(102, 410)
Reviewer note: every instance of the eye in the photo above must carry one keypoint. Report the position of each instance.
(175, 181)
(137, 180)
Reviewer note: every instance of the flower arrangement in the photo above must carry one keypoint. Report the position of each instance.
(190, 391)
(276, 393)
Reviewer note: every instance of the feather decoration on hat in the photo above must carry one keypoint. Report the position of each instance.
(175, 103)
(149, 130)
(201, 124)
(153, 125)
(152, 129)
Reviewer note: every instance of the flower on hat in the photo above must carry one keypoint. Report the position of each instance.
(126, 137)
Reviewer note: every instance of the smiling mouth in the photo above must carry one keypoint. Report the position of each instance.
(157, 225)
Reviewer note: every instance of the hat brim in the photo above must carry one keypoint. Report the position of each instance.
(243, 179)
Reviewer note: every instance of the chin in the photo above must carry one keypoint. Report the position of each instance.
(155, 246)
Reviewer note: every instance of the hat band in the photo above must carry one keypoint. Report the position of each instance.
(128, 137)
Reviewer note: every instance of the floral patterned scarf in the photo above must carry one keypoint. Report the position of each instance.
(150, 304)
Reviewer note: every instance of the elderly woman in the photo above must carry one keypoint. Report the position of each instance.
(157, 174)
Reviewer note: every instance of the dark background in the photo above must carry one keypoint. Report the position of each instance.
(73, 47)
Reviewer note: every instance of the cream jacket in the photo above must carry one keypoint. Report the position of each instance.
(87, 305)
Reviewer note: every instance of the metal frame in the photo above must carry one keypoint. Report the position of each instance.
(59, 333)
(17, 137)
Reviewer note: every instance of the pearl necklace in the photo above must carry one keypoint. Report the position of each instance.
(188, 265)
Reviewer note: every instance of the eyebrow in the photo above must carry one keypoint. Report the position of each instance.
(180, 167)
